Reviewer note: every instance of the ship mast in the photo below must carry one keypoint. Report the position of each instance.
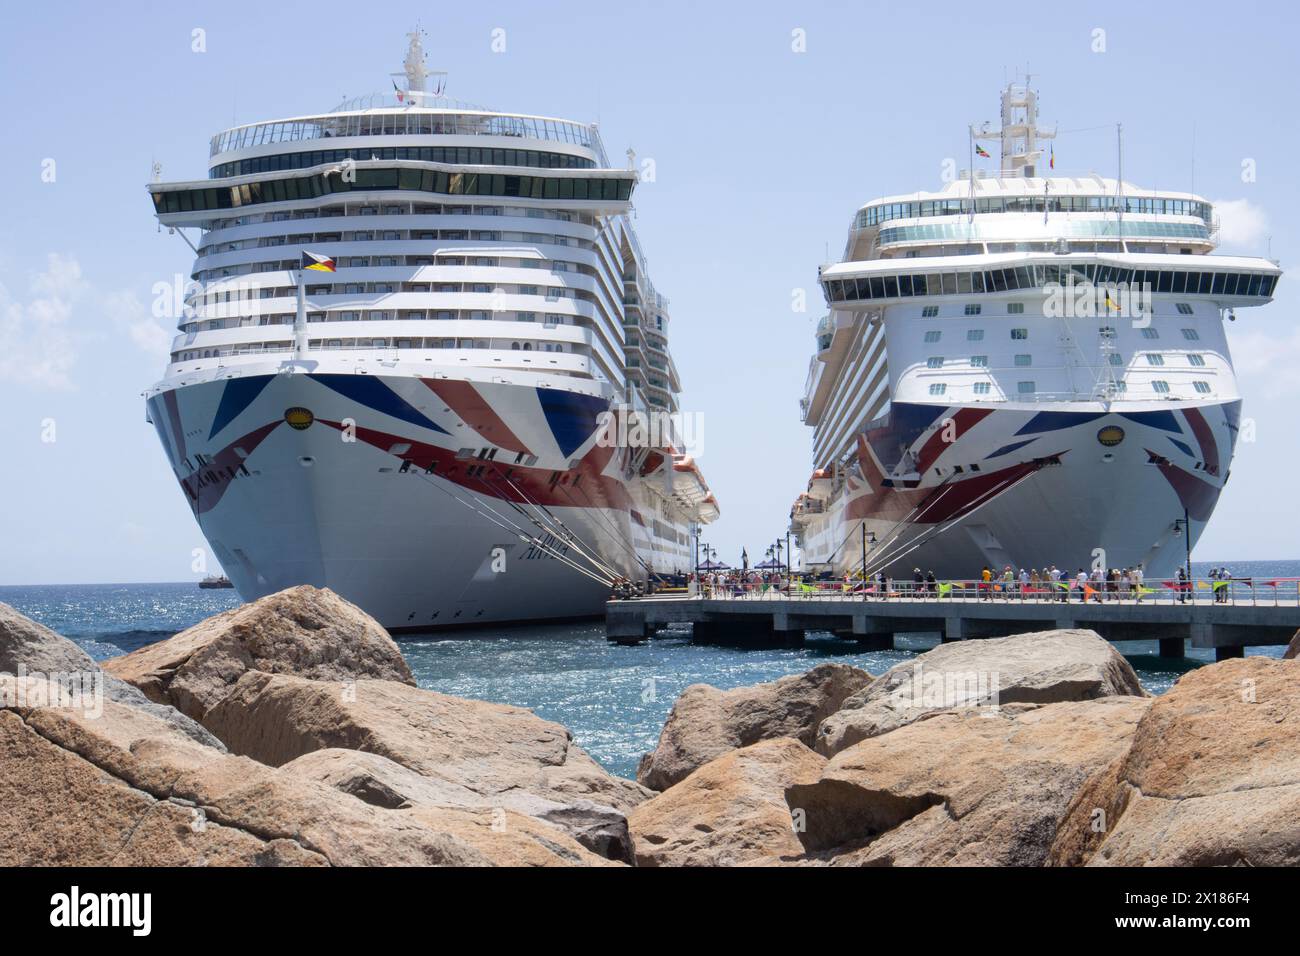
(1019, 137)
(416, 73)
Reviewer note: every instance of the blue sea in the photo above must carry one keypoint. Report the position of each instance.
(614, 699)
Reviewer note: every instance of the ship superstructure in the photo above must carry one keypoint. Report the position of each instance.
(410, 326)
(1022, 368)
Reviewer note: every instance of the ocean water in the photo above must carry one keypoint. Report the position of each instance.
(614, 699)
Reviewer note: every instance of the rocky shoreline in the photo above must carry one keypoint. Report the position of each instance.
(290, 732)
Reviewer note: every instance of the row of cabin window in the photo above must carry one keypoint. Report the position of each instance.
(1017, 308)
(383, 343)
(1024, 359)
(1028, 388)
(1019, 334)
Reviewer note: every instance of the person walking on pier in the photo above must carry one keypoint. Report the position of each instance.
(986, 584)
(1182, 586)
(931, 582)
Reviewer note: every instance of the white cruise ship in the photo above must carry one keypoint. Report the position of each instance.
(1023, 368)
(414, 330)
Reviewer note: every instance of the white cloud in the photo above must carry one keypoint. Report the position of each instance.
(1264, 364)
(36, 347)
(1241, 222)
(132, 316)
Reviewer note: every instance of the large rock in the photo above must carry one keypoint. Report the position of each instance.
(118, 786)
(385, 783)
(306, 631)
(1293, 649)
(972, 786)
(1039, 668)
(706, 722)
(1212, 777)
(468, 753)
(29, 648)
(730, 812)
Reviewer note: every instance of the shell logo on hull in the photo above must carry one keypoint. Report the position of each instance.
(1110, 436)
(299, 418)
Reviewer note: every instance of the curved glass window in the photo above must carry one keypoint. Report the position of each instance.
(963, 231)
(1158, 206)
(404, 123)
(1040, 275)
(460, 155)
(421, 180)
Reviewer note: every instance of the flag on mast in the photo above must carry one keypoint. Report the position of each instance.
(316, 263)
(1051, 158)
(981, 151)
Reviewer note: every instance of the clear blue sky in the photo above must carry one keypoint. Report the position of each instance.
(762, 156)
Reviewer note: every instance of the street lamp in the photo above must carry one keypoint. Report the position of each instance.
(868, 537)
(1183, 526)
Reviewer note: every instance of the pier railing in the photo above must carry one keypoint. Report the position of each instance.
(1270, 592)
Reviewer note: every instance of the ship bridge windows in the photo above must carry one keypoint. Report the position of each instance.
(1015, 308)
(1154, 358)
(979, 361)
(1202, 387)
(933, 335)
(469, 156)
(929, 311)
(1041, 276)
(972, 309)
(1019, 334)
(938, 388)
(1024, 360)
(1160, 387)
(974, 335)
(1184, 309)
(1150, 332)
(1026, 388)
(1191, 335)
(1115, 358)
(1196, 360)
(981, 388)
(618, 189)
(934, 361)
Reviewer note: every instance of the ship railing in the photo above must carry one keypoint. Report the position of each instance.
(1256, 592)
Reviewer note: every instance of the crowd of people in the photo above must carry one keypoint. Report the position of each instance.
(1047, 584)
(1058, 584)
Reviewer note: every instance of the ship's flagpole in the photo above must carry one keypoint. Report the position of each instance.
(970, 169)
(300, 319)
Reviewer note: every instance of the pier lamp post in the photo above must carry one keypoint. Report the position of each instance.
(868, 537)
(1183, 526)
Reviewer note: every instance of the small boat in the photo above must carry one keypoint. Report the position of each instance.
(216, 581)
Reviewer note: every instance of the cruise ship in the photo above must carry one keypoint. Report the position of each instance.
(1022, 368)
(412, 341)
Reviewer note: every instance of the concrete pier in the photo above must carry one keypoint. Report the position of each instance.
(779, 620)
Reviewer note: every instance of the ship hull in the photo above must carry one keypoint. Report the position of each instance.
(982, 486)
(429, 503)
